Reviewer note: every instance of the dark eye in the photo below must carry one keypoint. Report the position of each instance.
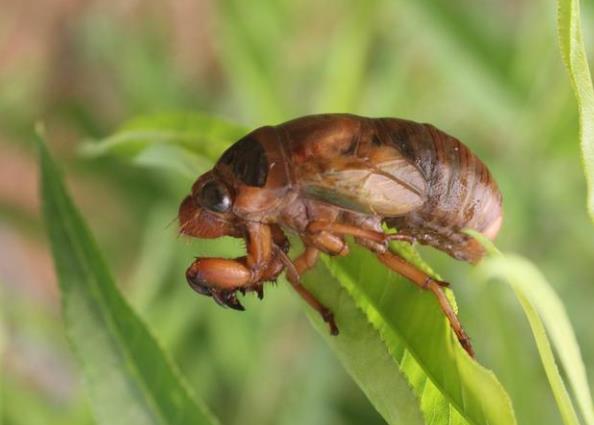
(215, 197)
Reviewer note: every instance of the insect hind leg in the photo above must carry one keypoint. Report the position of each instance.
(423, 281)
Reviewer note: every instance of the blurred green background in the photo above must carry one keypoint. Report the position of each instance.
(486, 71)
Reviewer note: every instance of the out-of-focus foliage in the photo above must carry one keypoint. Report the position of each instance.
(533, 292)
(198, 133)
(182, 142)
(574, 54)
(542, 306)
(488, 72)
(129, 378)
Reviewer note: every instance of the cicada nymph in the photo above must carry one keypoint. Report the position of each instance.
(325, 177)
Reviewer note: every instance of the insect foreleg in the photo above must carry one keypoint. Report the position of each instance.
(426, 282)
(221, 277)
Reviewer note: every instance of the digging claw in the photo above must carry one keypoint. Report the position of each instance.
(219, 298)
(197, 283)
(227, 299)
(223, 297)
(260, 291)
(234, 303)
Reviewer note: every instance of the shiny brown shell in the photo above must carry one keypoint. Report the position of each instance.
(329, 177)
(372, 171)
(416, 178)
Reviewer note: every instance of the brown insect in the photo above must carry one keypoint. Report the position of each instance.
(326, 177)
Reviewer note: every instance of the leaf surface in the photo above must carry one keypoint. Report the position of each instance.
(201, 134)
(128, 377)
(571, 42)
(452, 388)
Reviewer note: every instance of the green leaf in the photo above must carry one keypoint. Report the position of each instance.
(574, 55)
(128, 377)
(515, 273)
(540, 303)
(398, 346)
(364, 355)
(203, 135)
(408, 323)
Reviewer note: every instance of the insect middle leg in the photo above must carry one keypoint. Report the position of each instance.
(356, 231)
(294, 270)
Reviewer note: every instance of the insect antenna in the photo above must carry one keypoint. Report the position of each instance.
(182, 226)
(170, 223)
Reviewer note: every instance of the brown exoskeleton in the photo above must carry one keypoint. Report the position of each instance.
(326, 177)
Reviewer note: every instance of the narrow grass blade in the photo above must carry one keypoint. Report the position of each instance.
(574, 55)
(541, 304)
(128, 377)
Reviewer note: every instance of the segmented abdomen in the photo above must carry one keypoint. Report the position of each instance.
(460, 192)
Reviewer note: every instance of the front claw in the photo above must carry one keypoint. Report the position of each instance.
(228, 299)
(197, 282)
(219, 278)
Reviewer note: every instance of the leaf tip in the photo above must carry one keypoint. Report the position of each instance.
(39, 129)
(40, 140)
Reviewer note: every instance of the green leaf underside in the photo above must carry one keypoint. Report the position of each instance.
(414, 357)
(129, 379)
(541, 304)
(364, 355)
(574, 56)
(452, 388)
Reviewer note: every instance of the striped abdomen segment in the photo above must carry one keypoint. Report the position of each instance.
(460, 193)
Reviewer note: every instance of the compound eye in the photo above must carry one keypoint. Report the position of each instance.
(215, 197)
